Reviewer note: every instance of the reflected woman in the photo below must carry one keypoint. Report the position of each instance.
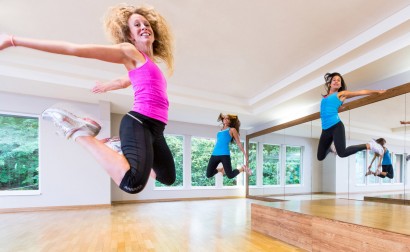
(221, 153)
(384, 162)
(333, 129)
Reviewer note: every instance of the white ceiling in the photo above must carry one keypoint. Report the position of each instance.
(262, 59)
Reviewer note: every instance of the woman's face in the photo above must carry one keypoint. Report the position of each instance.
(141, 31)
(336, 82)
(226, 121)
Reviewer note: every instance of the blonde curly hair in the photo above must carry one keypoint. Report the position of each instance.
(116, 26)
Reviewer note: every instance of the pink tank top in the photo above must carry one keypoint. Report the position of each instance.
(150, 91)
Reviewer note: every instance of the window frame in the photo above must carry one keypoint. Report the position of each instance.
(26, 192)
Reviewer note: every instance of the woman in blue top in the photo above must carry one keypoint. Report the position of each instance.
(333, 129)
(386, 164)
(221, 152)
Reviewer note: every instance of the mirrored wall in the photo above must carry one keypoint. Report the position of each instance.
(284, 158)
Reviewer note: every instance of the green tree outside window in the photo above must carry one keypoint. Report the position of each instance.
(18, 153)
(271, 164)
(293, 163)
(253, 150)
(201, 151)
(175, 144)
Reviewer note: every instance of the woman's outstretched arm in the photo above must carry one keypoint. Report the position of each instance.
(349, 94)
(109, 53)
(119, 83)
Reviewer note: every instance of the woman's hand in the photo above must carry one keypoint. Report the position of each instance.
(100, 87)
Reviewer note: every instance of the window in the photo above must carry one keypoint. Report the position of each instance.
(201, 151)
(361, 167)
(271, 164)
(398, 166)
(253, 150)
(19, 154)
(175, 144)
(293, 164)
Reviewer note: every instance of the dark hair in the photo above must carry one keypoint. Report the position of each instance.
(234, 121)
(381, 141)
(328, 79)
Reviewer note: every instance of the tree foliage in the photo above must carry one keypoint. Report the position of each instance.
(18, 153)
(293, 159)
(175, 144)
(253, 150)
(201, 151)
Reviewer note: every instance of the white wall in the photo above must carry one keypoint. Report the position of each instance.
(68, 175)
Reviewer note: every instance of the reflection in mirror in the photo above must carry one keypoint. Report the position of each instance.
(297, 156)
(285, 160)
(266, 164)
(384, 178)
(406, 160)
(332, 172)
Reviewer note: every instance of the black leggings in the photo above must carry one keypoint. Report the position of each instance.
(226, 162)
(143, 145)
(389, 171)
(336, 133)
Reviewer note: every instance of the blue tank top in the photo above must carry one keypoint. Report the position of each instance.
(222, 143)
(329, 110)
(386, 158)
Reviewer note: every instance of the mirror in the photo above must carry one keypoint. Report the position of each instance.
(374, 121)
(287, 152)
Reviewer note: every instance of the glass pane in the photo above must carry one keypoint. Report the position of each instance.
(398, 167)
(19, 153)
(253, 155)
(271, 164)
(201, 151)
(175, 144)
(293, 165)
(361, 167)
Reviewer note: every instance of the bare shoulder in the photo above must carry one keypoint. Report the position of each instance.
(132, 54)
(233, 132)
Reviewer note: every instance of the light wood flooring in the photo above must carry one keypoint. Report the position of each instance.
(204, 225)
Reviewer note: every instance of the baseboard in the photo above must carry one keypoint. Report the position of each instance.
(174, 199)
(51, 208)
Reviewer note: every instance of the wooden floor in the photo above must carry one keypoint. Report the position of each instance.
(402, 199)
(208, 225)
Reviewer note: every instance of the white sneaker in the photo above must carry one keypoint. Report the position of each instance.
(69, 123)
(115, 144)
(376, 148)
